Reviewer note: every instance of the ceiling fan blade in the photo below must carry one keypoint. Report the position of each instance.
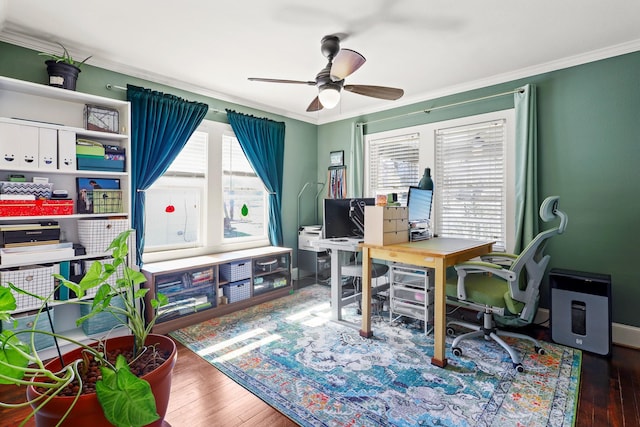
(381, 92)
(301, 82)
(315, 105)
(345, 63)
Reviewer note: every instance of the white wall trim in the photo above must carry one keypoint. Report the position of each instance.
(14, 35)
(621, 334)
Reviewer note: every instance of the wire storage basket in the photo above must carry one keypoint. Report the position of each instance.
(105, 201)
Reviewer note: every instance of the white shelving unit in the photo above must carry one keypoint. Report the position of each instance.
(58, 114)
(411, 294)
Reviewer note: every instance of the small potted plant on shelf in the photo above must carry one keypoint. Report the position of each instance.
(63, 70)
(121, 381)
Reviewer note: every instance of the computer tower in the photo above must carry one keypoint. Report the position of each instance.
(581, 310)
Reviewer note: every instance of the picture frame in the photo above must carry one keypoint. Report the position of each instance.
(101, 119)
(336, 158)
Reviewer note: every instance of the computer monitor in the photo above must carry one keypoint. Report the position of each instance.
(344, 217)
(419, 204)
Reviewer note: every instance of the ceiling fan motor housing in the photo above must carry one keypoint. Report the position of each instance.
(323, 78)
(330, 46)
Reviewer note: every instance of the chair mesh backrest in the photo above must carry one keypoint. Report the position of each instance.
(535, 249)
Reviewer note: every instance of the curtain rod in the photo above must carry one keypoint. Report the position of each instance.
(428, 110)
(111, 87)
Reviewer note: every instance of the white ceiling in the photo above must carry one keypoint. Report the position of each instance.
(429, 48)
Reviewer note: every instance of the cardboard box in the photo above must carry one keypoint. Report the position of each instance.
(86, 147)
(35, 207)
(96, 163)
(386, 225)
(37, 189)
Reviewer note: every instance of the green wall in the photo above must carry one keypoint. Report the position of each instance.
(300, 139)
(588, 153)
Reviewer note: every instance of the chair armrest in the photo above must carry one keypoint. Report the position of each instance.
(475, 267)
(483, 267)
(501, 258)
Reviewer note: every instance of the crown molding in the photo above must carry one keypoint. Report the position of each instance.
(13, 34)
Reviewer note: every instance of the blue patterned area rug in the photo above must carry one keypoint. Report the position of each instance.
(321, 373)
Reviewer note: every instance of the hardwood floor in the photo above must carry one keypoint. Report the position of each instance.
(204, 397)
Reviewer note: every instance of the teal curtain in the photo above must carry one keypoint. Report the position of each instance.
(262, 141)
(161, 125)
(526, 166)
(355, 185)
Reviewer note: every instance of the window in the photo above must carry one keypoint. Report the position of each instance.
(196, 207)
(244, 196)
(470, 186)
(391, 165)
(472, 161)
(174, 203)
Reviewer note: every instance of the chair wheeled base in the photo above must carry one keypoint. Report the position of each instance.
(489, 331)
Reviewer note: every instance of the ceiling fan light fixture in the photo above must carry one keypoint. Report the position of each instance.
(329, 96)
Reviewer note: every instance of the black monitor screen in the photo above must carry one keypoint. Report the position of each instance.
(344, 217)
(419, 204)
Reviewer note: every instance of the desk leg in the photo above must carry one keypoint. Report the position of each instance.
(336, 285)
(366, 294)
(439, 315)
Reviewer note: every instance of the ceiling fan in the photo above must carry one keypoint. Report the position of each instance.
(330, 80)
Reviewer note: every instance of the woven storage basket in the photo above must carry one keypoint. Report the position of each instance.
(237, 291)
(26, 322)
(37, 280)
(104, 321)
(236, 270)
(96, 234)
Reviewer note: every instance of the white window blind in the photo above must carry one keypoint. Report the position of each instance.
(470, 182)
(192, 160)
(393, 165)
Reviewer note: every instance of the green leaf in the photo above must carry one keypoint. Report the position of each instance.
(140, 293)
(127, 401)
(12, 361)
(7, 302)
(68, 284)
(159, 301)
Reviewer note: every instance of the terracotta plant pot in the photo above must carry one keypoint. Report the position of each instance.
(87, 411)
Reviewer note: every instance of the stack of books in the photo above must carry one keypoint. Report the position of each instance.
(33, 243)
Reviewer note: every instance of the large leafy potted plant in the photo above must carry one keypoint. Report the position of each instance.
(56, 390)
(63, 70)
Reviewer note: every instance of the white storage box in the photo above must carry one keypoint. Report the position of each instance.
(36, 279)
(36, 189)
(96, 234)
(236, 270)
(237, 291)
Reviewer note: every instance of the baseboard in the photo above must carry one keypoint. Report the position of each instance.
(621, 334)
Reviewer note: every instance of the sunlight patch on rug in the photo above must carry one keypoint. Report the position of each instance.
(320, 373)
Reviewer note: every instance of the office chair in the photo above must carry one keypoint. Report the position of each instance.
(355, 270)
(505, 288)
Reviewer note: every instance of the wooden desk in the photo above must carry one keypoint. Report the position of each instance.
(437, 253)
